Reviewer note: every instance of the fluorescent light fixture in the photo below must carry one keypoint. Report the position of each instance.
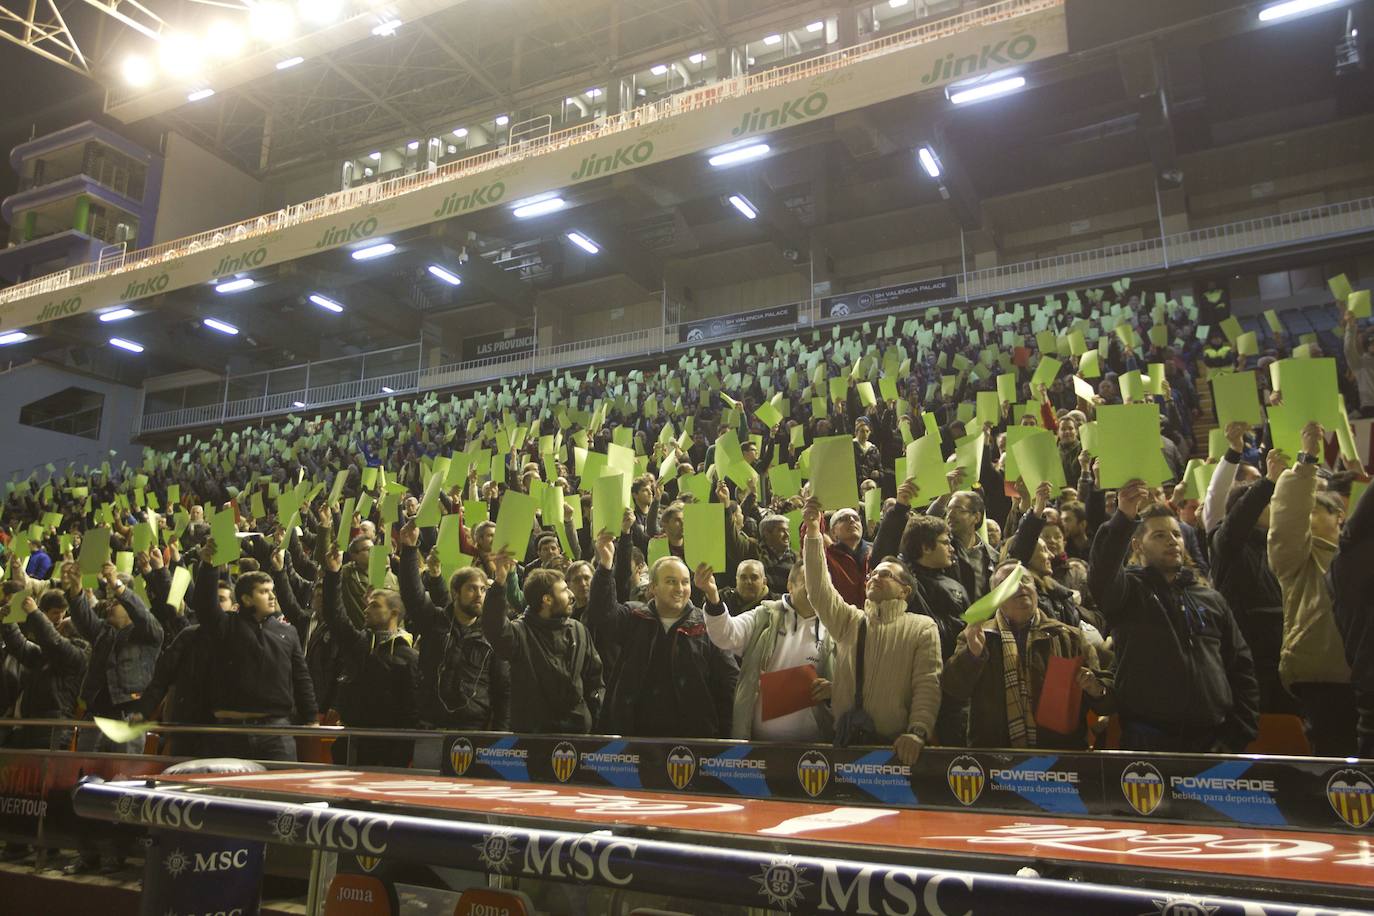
(118, 314)
(586, 244)
(298, 404)
(200, 94)
(180, 54)
(815, 27)
(137, 70)
(448, 276)
(271, 22)
(224, 39)
(658, 69)
(451, 149)
(502, 120)
(322, 12)
(460, 132)
(367, 172)
(290, 62)
(325, 303)
(743, 205)
(539, 208)
(570, 101)
(739, 154)
(897, 4)
(13, 337)
(771, 40)
(696, 58)
(928, 161)
(593, 93)
(985, 90)
(380, 250)
(1276, 11)
(386, 390)
(222, 326)
(235, 286)
(374, 156)
(413, 145)
(387, 28)
(126, 345)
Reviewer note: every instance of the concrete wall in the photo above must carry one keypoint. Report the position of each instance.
(200, 191)
(24, 448)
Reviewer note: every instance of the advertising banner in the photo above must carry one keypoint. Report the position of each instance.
(847, 304)
(200, 873)
(498, 344)
(738, 323)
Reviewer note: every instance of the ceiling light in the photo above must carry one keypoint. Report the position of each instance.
(200, 94)
(221, 326)
(696, 58)
(460, 132)
(928, 161)
(180, 54)
(771, 40)
(984, 90)
(380, 250)
(290, 62)
(1289, 8)
(118, 314)
(451, 149)
(235, 286)
(367, 172)
(387, 28)
(658, 69)
(570, 101)
(449, 277)
(297, 404)
(386, 390)
(13, 337)
(743, 206)
(586, 244)
(224, 39)
(126, 345)
(815, 27)
(413, 145)
(374, 156)
(324, 303)
(137, 70)
(738, 155)
(502, 120)
(593, 93)
(897, 4)
(539, 207)
(321, 12)
(271, 22)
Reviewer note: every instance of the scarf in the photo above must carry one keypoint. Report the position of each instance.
(1016, 684)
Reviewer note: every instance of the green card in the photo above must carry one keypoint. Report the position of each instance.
(696, 485)
(1285, 429)
(1129, 445)
(450, 546)
(427, 515)
(833, 476)
(1198, 479)
(866, 395)
(1358, 303)
(121, 732)
(989, 407)
(873, 505)
(173, 494)
(703, 535)
(985, 607)
(1231, 328)
(1309, 389)
(658, 549)
(1217, 445)
(514, 524)
(1247, 344)
(143, 537)
(181, 583)
(768, 414)
(474, 512)
(225, 533)
(798, 436)
(336, 490)
(1006, 388)
(926, 466)
(1340, 287)
(95, 550)
(608, 504)
(784, 481)
(1089, 365)
(1037, 457)
(887, 386)
(1236, 396)
(1159, 335)
(378, 565)
(968, 454)
(345, 533)
(124, 562)
(1132, 386)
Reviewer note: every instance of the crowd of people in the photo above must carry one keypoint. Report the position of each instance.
(365, 583)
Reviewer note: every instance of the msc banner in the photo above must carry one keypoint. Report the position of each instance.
(501, 343)
(1324, 795)
(199, 873)
(739, 323)
(889, 297)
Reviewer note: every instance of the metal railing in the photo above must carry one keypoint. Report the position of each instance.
(681, 103)
(1196, 246)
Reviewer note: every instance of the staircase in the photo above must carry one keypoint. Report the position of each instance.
(1207, 421)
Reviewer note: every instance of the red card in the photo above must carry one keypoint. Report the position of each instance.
(1061, 699)
(786, 691)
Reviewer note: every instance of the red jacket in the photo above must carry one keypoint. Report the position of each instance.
(849, 572)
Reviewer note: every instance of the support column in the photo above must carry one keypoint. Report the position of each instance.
(82, 219)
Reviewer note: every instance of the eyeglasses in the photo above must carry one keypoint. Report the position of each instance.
(882, 574)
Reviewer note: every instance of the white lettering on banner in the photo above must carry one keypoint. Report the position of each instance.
(24, 807)
(339, 831)
(582, 802)
(172, 813)
(1144, 844)
(576, 857)
(1216, 784)
(896, 895)
(866, 81)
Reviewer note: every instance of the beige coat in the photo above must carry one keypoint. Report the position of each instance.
(1312, 648)
(901, 653)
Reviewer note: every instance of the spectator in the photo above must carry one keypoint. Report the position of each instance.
(54, 658)
(751, 588)
(848, 555)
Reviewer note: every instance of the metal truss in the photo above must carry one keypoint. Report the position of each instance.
(48, 28)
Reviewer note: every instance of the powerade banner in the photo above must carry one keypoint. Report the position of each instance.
(735, 876)
(889, 297)
(199, 873)
(865, 79)
(737, 324)
(1297, 793)
(489, 346)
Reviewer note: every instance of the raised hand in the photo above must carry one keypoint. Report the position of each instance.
(1132, 498)
(907, 492)
(811, 517)
(977, 640)
(333, 561)
(501, 565)
(605, 549)
(1312, 436)
(409, 535)
(1235, 435)
(1276, 462)
(705, 581)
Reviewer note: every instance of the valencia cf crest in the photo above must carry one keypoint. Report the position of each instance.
(460, 755)
(1351, 794)
(813, 772)
(682, 766)
(368, 863)
(966, 778)
(1143, 786)
(564, 761)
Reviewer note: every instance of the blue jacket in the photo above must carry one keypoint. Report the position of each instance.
(130, 654)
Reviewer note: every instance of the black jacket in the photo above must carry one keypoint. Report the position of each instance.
(381, 670)
(1352, 584)
(122, 660)
(1240, 554)
(53, 667)
(259, 665)
(1056, 601)
(941, 598)
(699, 677)
(183, 673)
(973, 566)
(1182, 663)
(463, 684)
(555, 670)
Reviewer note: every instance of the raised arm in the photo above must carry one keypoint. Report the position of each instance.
(342, 629)
(606, 616)
(887, 541)
(1290, 521)
(1107, 579)
(496, 625)
(841, 620)
(420, 608)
